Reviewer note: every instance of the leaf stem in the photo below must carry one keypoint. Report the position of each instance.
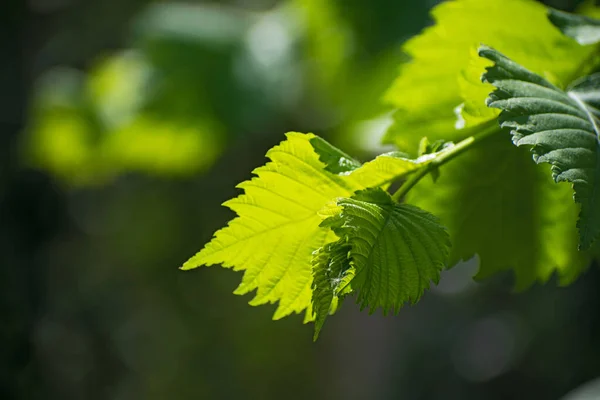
(488, 130)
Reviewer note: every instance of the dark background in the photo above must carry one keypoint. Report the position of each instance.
(93, 305)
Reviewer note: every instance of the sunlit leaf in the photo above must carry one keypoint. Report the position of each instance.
(430, 92)
(277, 228)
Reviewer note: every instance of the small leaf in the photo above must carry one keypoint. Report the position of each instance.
(380, 171)
(427, 147)
(395, 249)
(584, 30)
(563, 129)
(386, 168)
(335, 160)
(332, 274)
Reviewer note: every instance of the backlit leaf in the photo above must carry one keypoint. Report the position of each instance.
(431, 88)
(277, 228)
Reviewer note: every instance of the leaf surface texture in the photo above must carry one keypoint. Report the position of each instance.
(277, 228)
(394, 250)
(562, 128)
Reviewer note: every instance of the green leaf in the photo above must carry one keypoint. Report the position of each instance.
(494, 189)
(427, 147)
(584, 30)
(386, 168)
(499, 205)
(431, 88)
(277, 228)
(335, 160)
(332, 274)
(378, 172)
(563, 128)
(396, 249)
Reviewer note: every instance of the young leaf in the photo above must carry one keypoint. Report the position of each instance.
(427, 147)
(563, 129)
(335, 160)
(395, 249)
(584, 30)
(428, 92)
(332, 274)
(386, 168)
(378, 172)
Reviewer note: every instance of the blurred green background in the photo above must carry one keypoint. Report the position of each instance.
(125, 124)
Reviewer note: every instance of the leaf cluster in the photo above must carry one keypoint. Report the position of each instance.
(315, 225)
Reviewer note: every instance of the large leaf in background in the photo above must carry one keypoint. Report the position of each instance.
(277, 228)
(429, 88)
(395, 252)
(498, 204)
(563, 128)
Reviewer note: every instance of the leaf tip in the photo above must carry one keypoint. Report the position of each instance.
(316, 334)
(193, 262)
(189, 265)
(483, 50)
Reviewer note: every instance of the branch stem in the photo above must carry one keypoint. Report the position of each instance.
(445, 156)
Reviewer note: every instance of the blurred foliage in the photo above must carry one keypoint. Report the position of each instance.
(195, 76)
(88, 130)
